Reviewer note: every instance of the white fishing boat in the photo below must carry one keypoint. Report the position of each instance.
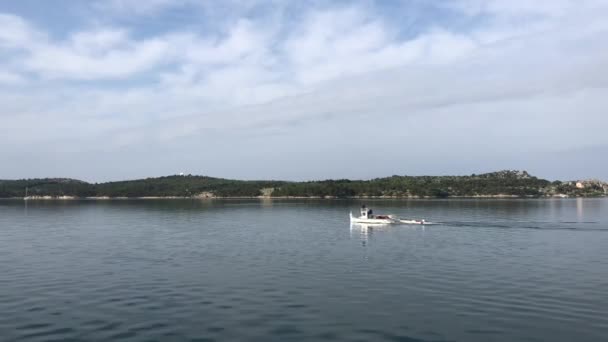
(368, 217)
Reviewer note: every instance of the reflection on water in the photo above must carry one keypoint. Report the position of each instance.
(504, 270)
(365, 231)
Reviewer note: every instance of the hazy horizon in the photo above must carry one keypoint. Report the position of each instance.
(249, 89)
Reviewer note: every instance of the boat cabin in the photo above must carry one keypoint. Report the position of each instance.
(366, 213)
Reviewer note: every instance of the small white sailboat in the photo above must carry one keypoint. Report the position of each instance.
(368, 217)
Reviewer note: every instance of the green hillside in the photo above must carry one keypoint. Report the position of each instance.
(502, 183)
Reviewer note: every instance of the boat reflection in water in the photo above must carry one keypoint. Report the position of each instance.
(366, 230)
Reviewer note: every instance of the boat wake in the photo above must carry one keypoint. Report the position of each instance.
(543, 225)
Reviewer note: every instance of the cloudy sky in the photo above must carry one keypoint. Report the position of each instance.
(251, 89)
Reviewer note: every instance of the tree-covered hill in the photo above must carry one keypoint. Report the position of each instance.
(502, 183)
(183, 186)
(45, 187)
(509, 183)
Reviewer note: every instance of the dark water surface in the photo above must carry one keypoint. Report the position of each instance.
(494, 270)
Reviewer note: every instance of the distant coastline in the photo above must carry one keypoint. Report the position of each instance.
(106, 198)
(501, 184)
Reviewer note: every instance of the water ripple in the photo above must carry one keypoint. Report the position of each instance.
(250, 270)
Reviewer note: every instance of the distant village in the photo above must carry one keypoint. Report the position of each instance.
(580, 187)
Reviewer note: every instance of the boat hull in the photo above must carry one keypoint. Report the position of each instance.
(371, 221)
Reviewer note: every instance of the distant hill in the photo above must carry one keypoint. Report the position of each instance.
(496, 184)
(44, 187)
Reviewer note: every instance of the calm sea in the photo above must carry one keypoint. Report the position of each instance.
(181, 270)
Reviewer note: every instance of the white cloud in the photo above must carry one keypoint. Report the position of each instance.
(517, 8)
(80, 62)
(11, 78)
(85, 55)
(15, 32)
(88, 42)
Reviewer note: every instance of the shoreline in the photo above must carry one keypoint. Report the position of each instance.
(144, 198)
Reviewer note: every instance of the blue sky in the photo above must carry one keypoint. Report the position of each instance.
(105, 90)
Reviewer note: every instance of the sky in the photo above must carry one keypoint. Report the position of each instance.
(303, 90)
